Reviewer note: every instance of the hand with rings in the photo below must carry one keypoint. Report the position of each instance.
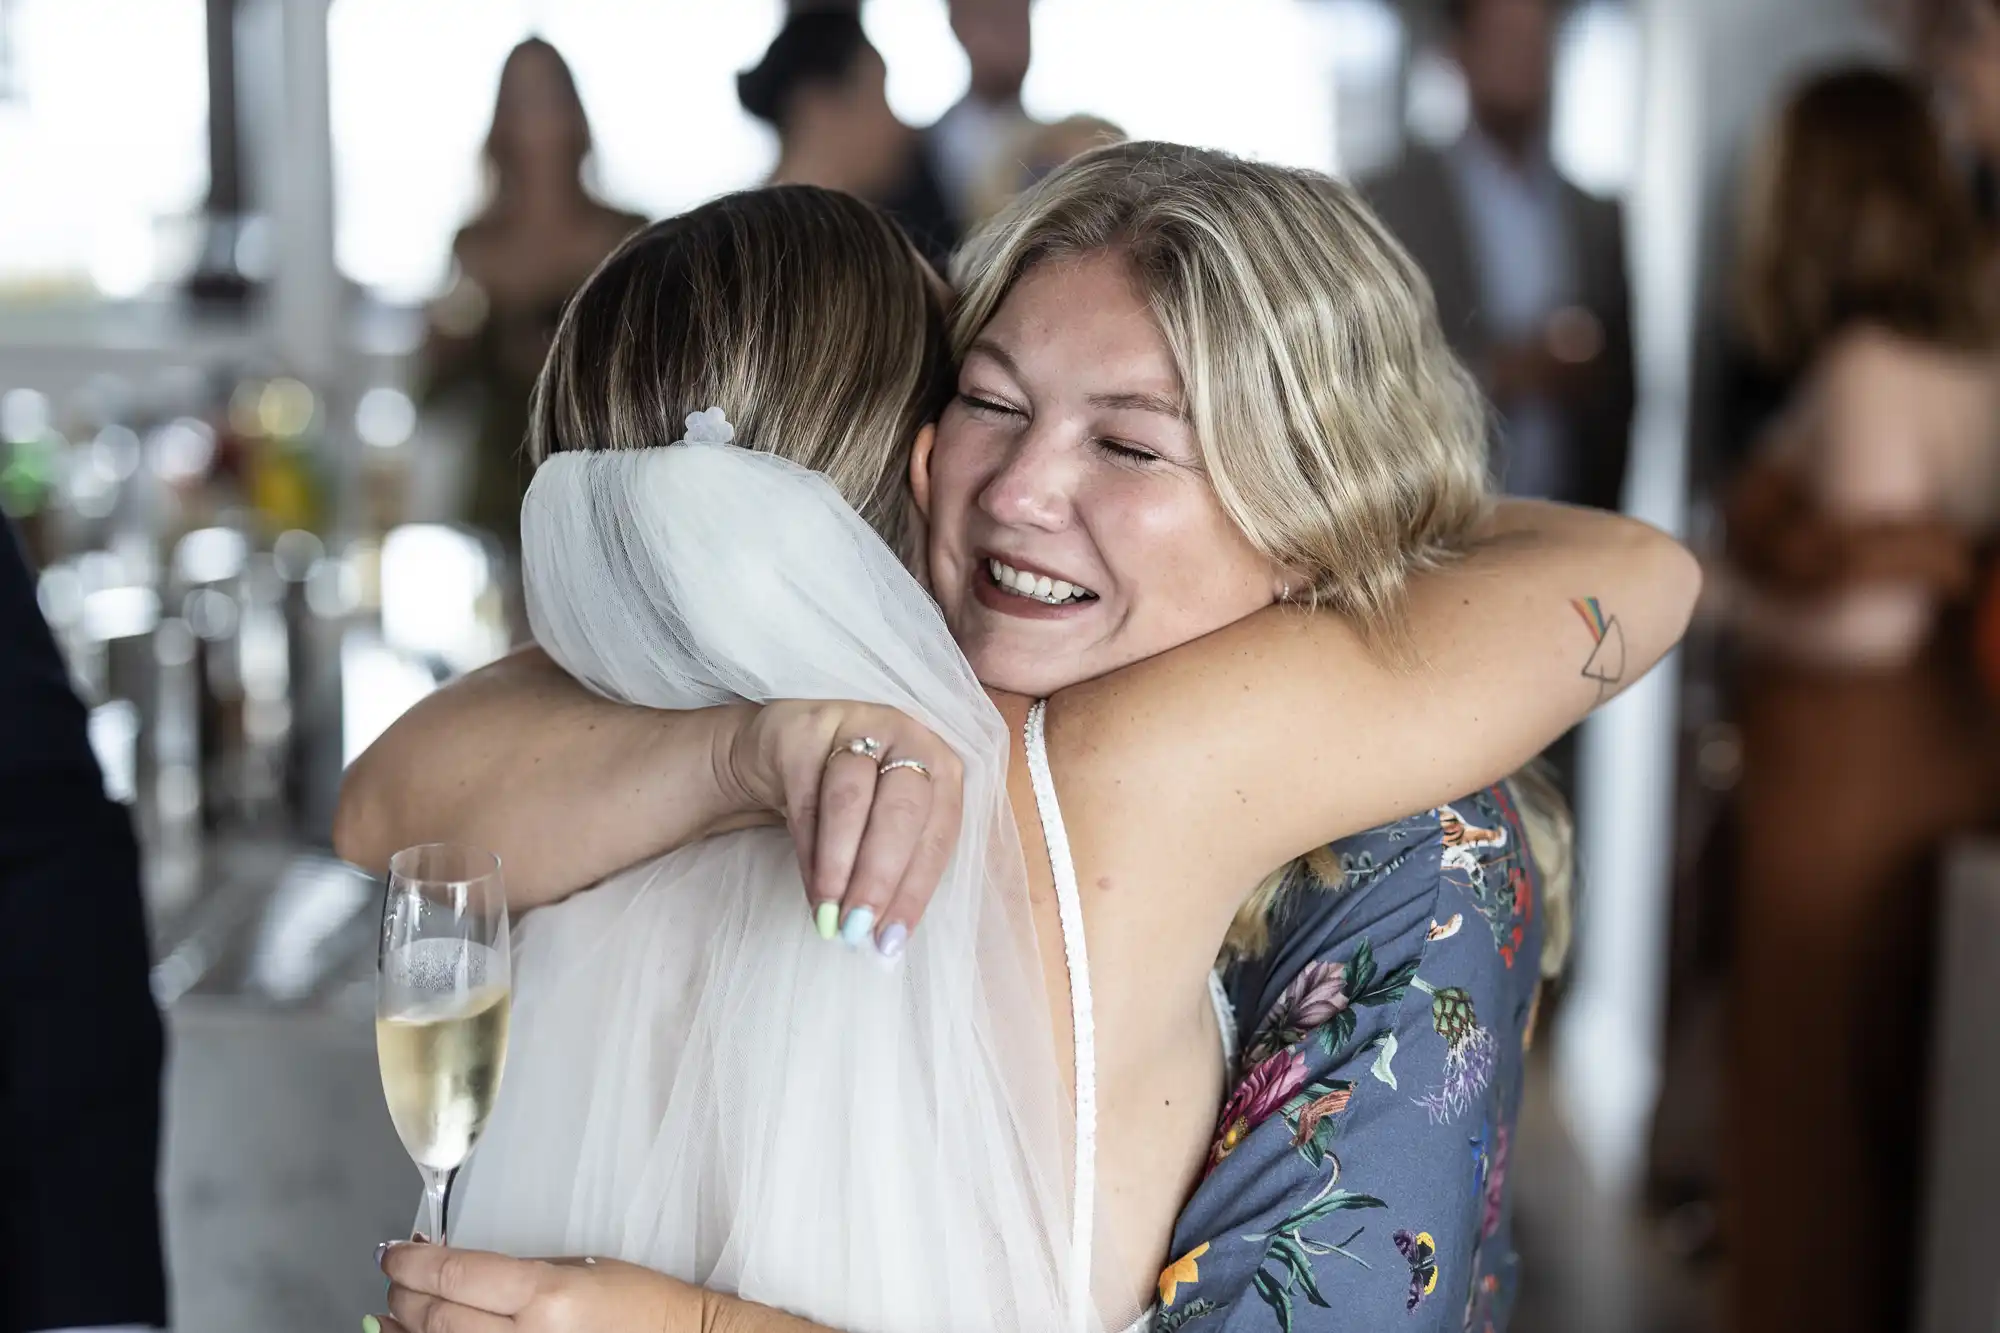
(872, 798)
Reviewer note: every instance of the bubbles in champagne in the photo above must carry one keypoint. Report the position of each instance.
(441, 1038)
(424, 970)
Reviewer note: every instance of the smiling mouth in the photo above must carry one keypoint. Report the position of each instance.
(1036, 587)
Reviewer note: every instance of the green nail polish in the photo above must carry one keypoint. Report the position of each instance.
(370, 1324)
(827, 920)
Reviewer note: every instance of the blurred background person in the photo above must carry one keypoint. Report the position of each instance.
(1854, 538)
(539, 235)
(1529, 271)
(972, 141)
(822, 86)
(80, 1039)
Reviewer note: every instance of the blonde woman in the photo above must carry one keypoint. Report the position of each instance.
(1191, 388)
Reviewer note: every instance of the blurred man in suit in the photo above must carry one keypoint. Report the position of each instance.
(80, 1039)
(968, 142)
(1529, 270)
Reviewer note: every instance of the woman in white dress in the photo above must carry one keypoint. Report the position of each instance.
(1194, 387)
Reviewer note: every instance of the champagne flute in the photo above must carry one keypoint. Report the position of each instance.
(442, 993)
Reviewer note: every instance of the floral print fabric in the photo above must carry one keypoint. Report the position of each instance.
(1358, 1178)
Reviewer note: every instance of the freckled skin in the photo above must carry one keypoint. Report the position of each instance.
(1045, 463)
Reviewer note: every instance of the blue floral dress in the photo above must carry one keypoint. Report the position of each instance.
(1358, 1179)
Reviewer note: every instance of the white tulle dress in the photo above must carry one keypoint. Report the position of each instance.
(696, 1081)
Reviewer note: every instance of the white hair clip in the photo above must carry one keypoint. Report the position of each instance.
(710, 427)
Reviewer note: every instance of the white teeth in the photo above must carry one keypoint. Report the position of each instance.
(1039, 587)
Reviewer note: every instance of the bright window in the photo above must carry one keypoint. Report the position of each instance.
(413, 84)
(1596, 129)
(1593, 134)
(103, 143)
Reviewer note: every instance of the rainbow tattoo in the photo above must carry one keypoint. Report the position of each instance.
(1606, 664)
(1593, 616)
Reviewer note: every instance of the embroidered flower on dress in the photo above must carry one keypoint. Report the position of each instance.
(1183, 1269)
(709, 427)
(1263, 1090)
(1469, 1053)
(1314, 997)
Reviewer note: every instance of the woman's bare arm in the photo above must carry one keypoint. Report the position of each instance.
(567, 786)
(564, 785)
(1205, 767)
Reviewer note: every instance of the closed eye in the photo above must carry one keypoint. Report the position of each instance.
(987, 405)
(1126, 452)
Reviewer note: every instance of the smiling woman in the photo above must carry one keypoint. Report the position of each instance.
(1138, 416)
(1067, 463)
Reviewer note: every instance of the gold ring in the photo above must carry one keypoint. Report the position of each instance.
(865, 746)
(914, 765)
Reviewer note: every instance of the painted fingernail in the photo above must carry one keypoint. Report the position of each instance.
(827, 920)
(370, 1324)
(859, 925)
(890, 942)
(381, 1250)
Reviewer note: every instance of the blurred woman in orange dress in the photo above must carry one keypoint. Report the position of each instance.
(1855, 538)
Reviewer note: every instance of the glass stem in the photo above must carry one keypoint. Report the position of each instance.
(437, 1201)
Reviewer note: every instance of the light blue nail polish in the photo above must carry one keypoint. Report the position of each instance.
(856, 929)
(890, 942)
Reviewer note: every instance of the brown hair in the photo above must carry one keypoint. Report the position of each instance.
(803, 313)
(1855, 214)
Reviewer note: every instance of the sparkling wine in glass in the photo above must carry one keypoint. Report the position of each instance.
(442, 994)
